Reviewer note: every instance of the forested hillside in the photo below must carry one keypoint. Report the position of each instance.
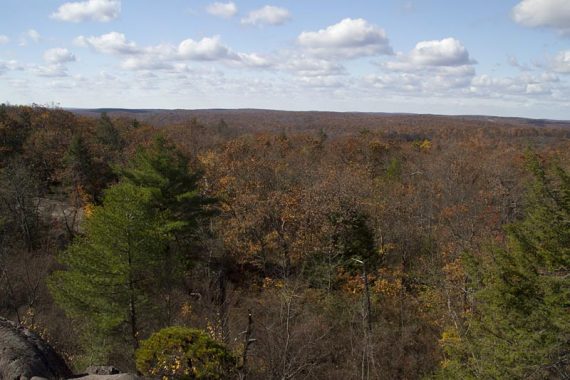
(292, 245)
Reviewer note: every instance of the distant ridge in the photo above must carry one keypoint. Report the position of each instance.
(264, 119)
(263, 110)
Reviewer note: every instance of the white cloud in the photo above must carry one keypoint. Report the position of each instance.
(145, 63)
(59, 56)
(110, 43)
(543, 13)
(224, 10)
(50, 71)
(445, 52)
(33, 35)
(9, 65)
(537, 89)
(312, 67)
(561, 63)
(253, 60)
(207, 49)
(514, 62)
(90, 10)
(350, 38)
(268, 15)
(451, 77)
(396, 83)
(4, 39)
(166, 56)
(434, 81)
(321, 82)
(30, 35)
(212, 49)
(524, 85)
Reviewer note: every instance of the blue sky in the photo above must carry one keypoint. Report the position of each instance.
(508, 57)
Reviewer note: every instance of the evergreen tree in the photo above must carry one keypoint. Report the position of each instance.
(519, 327)
(122, 272)
(110, 272)
(79, 166)
(350, 247)
(165, 173)
(107, 133)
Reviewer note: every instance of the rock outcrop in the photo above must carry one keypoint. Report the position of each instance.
(121, 376)
(102, 370)
(24, 355)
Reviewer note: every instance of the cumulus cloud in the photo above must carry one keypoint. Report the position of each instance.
(206, 49)
(90, 10)
(350, 38)
(445, 52)
(55, 64)
(561, 62)
(9, 66)
(489, 83)
(50, 71)
(433, 81)
(146, 63)
(321, 82)
(59, 56)
(224, 10)
(110, 43)
(254, 60)
(166, 56)
(4, 39)
(268, 15)
(545, 84)
(304, 66)
(439, 67)
(543, 13)
(396, 83)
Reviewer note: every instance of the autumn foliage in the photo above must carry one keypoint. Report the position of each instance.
(310, 245)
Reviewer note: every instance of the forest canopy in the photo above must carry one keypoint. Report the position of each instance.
(290, 245)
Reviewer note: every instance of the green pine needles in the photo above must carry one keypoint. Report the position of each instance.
(519, 327)
(113, 276)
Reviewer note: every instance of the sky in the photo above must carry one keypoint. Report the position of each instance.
(484, 57)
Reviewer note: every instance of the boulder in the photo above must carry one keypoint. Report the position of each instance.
(24, 355)
(102, 370)
(121, 376)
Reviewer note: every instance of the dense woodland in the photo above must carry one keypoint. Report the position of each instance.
(307, 245)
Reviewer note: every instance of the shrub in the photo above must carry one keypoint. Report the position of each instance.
(184, 353)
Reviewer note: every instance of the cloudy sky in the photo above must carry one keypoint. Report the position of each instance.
(507, 57)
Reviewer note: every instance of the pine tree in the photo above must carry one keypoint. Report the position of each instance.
(519, 327)
(165, 173)
(110, 272)
(107, 133)
(118, 274)
(79, 166)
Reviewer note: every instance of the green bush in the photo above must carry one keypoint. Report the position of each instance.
(184, 353)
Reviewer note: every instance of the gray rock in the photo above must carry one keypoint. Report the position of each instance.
(122, 376)
(102, 370)
(24, 355)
